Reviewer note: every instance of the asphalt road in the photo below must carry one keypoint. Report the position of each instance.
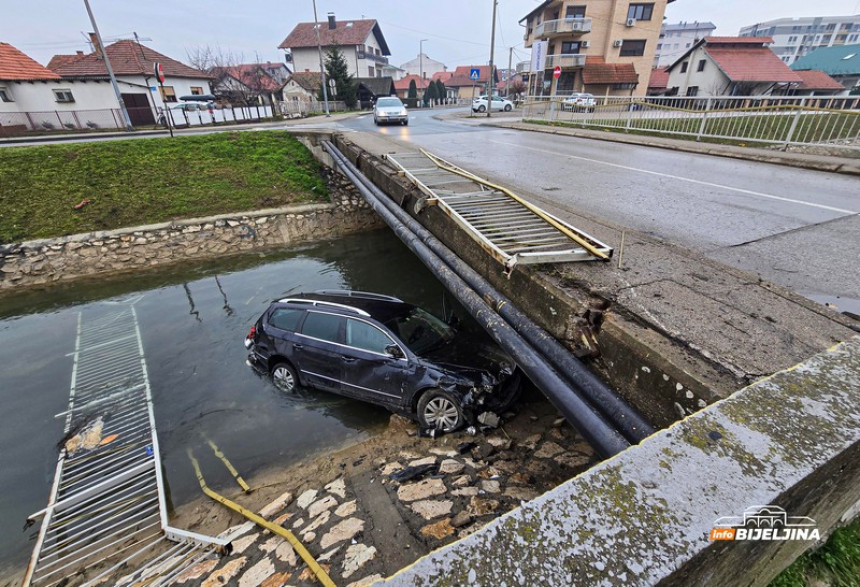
(793, 227)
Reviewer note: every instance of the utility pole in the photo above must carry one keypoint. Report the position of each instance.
(322, 67)
(490, 84)
(421, 58)
(101, 49)
(508, 81)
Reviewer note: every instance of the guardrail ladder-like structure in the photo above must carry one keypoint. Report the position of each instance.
(511, 229)
(107, 510)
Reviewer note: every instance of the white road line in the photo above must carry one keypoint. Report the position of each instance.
(687, 179)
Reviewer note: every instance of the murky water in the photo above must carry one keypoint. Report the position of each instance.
(193, 321)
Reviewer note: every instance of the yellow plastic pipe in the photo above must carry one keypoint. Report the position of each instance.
(320, 573)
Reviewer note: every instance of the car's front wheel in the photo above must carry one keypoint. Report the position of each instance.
(439, 410)
(508, 107)
(482, 108)
(284, 377)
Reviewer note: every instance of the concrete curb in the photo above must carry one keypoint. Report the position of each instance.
(842, 165)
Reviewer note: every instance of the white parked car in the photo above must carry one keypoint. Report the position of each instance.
(579, 102)
(479, 104)
(389, 110)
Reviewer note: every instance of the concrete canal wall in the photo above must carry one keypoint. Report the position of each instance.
(40, 262)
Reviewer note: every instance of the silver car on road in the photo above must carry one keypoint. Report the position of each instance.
(390, 110)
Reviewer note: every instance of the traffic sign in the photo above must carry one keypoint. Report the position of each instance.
(474, 74)
(159, 73)
(556, 73)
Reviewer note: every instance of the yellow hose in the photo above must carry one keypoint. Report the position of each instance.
(260, 521)
(229, 466)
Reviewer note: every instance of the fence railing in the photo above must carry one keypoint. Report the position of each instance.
(28, 123)
(759, 119)
(295, 109)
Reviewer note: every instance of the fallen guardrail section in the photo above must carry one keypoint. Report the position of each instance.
(107, 510)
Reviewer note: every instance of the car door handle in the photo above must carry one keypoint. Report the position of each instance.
(298, 347)
(348, 359)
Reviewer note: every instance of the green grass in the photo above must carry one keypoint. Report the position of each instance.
(153, 180)
(837, 563)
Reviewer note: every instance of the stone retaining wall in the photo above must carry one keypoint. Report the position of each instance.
(66, 258)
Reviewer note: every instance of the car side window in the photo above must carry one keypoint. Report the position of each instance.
(322, 326)
(366, 336)
(286, 319)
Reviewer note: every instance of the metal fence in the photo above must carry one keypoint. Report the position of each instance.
(298, 109)
(833, 121)
(28, 123)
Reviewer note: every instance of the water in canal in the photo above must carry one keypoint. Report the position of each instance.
(193, 321)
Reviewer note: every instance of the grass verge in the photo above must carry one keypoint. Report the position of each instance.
(836, 564)
(144, 181)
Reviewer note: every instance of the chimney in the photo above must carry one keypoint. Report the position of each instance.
(80, 53)
(95, 42)
(332, 23)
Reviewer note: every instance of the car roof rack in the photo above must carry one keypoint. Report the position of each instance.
(358, 311)
(367, 295)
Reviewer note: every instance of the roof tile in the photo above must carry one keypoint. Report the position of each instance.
(600, 73)
(817, 80)
(348, 32)
(16, 66)
(750, 64)
(127, 58)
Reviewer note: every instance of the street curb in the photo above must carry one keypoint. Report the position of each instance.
(833, 165)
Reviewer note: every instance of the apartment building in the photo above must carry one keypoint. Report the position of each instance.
(605, 47)
(678, 38)
(794, 38)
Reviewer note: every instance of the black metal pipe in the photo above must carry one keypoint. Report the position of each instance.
(584, 417)
(626, 419)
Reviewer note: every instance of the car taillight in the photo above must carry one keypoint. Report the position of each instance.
(252, 334)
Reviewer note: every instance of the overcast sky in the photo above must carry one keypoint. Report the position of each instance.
(457, 32)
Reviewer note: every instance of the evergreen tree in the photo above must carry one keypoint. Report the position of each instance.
(430, 94)
(413, 90)
(336, 69)
(441, 90)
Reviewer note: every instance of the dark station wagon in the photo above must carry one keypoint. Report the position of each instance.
(384, 351)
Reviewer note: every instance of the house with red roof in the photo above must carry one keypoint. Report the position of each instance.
(361, 42)
(248, 83)
(730, 66)
(401, 86)
(460, 84)
(134, 67)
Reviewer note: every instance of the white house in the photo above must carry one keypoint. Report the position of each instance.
(423, 65)
(360, 41)
(134, 67)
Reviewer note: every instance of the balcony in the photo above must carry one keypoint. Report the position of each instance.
(524, 66)
(565, 26)
(565, 61)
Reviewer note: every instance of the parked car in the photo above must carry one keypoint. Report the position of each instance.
(579, 102)
(384, 351)
(390, 110)
(479, 104)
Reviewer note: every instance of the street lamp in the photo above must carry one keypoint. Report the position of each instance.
(322, 67)
(421, 58)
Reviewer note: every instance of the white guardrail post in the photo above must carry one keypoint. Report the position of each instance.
(794, 123)
(704, 119)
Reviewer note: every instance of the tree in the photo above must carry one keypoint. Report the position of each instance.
(413, 90)
(441, 91)
(336, 69)
(430, 94)
(516, 87)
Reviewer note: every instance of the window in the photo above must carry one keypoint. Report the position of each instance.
(640, 11)
(285, 319)
(322, 326)
(64, 96)
(5, 96)
(196, 91)
(371, 72)
(693, 91)
(168, 94)
(362, 335)
(570, 47)
(684, 67)
(632, 48)
(575, 12)
(701, 65)
(361, 51)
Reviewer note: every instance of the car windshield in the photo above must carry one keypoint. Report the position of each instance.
(420, 330)
(389, 103)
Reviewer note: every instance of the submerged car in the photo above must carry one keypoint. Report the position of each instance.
(384, 351)
(578, 102)
(390, 110)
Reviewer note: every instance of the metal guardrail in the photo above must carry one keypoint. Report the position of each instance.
(832, 121)
(107, 506)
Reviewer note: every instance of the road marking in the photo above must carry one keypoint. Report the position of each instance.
(687, 179)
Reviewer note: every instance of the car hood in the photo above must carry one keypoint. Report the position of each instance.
(390, 109)
(466, 356)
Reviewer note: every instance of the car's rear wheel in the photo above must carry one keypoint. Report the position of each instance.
(482, 108)
(439, 410)
(508, 108)
(284, 377)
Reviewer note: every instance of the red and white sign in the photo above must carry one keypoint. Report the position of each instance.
(556, 73)
(159, 73)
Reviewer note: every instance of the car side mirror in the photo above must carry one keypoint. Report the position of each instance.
(394, 351)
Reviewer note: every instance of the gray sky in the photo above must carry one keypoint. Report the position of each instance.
(457, 31)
